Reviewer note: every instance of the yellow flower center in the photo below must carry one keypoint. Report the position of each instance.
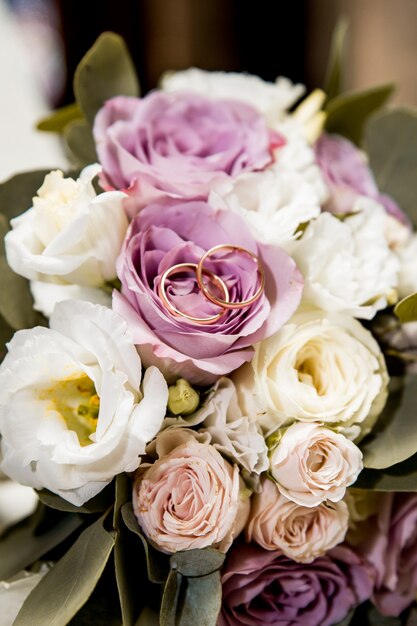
(76, 401)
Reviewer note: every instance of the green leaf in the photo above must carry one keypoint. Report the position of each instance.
(394, 438)
(69, 584)
(157, 563)
(406, 309)
(100, 503)
(123, 494)
(400, 477)
(390, 142)
(56, 122)
(334, 73)
(195, 563)
(6, 333)
(105, 71)
(169, 604)
(201, 602)
(16, 302)
(79, 139)
(347, 113)
(17, 192)
(28, 541)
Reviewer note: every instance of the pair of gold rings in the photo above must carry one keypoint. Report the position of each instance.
(200, 271)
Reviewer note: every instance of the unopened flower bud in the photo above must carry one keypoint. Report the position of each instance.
(182, 398)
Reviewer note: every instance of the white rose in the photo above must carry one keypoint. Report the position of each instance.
(302, 533)
(70, 235)
(272, 99)
(407, 255)
(312, 464)
(347, 265)
(72, 410)
(318, 367)
(273, 203)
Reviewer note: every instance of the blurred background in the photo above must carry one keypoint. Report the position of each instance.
(265, 37)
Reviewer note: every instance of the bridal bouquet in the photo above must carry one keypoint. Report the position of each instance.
(210, 370)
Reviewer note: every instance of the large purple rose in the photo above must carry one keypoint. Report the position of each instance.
(390, 544)
(178, 144)
(162, 236)
(263, 587)
(347, 175)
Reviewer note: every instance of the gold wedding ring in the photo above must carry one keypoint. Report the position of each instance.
(184, 267)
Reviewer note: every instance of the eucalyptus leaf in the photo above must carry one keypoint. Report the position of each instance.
(100, 503)
(69, 584)
(148, 617)
(157, 563)
(16, 302)
(58, 120)
(6, 333)
(26, 542)
(400, 477)
(390, 141)
(80, 142)
(195, 563)
(334, 73)
(348, 113)
(394, 438)
(169, 604)
(201, 600)
(406, 309)
(105, 71)
(123, 494)
(17, 192)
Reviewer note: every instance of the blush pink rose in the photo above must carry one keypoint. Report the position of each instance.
(190, 498)
(347, 175)
(301, 533)
(262, 587)
(163, 236)
(178, 144)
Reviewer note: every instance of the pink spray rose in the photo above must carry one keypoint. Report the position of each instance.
(190, 497)
(390, 545)
(162, 236)
(264, 587)
(178, 144)
(347, 175)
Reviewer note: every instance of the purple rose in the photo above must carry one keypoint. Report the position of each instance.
(162, 236)
(390, 544)
(178, 144)
(347, 175)
(263, 587)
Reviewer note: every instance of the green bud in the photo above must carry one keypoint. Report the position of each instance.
(182, 398)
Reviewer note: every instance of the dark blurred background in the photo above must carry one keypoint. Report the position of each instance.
(264, 37)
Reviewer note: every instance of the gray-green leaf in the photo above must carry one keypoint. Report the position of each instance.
(334, 73)
(348, 113)
(69, 584)
(79, 139)
(394, 438)
(195, 563)
(390, 142)
(105, 71)
(17, 192)
(401, 477)
(406, 309)
(56, 122)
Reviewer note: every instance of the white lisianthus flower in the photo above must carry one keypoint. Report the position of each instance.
(13, 592)
(312, 464)
(70, 235)
(273, 100)
(302, 533)
(222, 424)
(73, 413)
(273, 203)
(347, 265)
(317, 368)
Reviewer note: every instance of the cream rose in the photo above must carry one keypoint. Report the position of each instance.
(70, 235)
(190, 497)
(301, 533)
(318, 367)
(73, 411)
(312, 464)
